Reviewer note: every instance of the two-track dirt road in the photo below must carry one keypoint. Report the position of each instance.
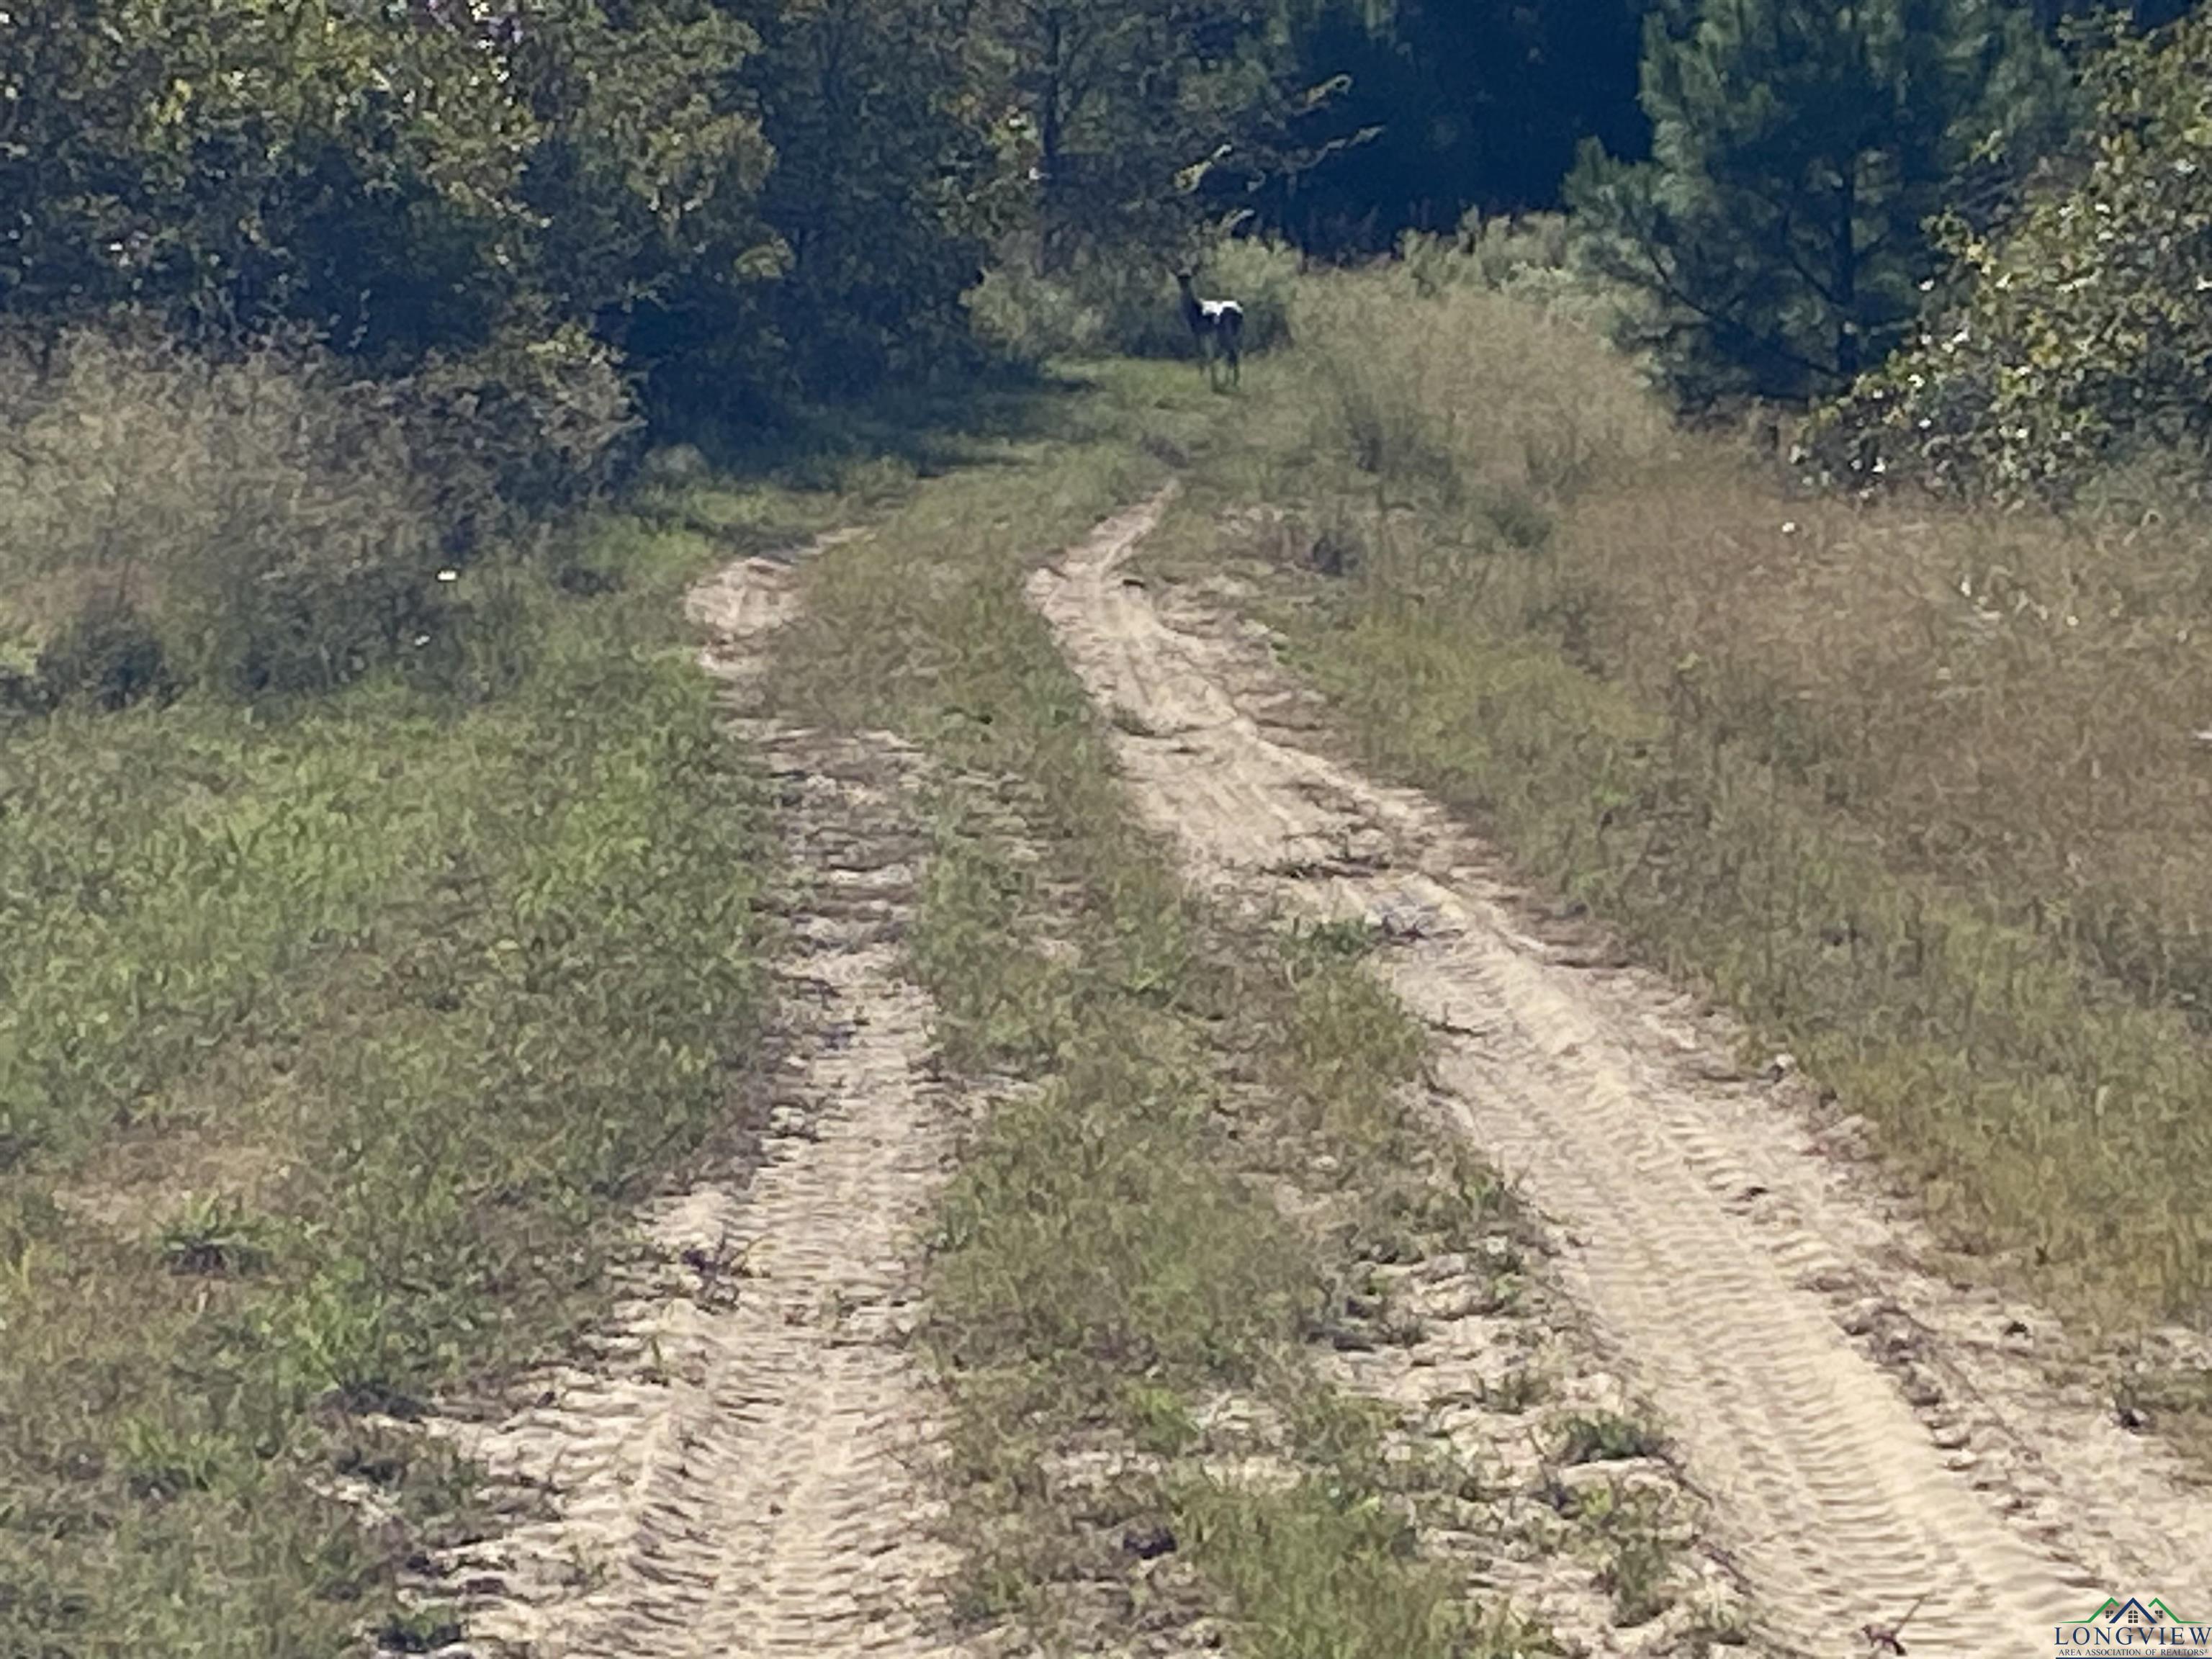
(734, 1470)
(1863, 1437)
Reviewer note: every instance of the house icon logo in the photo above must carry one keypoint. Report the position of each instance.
(2143, 1623)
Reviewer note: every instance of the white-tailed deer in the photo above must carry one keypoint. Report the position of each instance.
(1218, 326)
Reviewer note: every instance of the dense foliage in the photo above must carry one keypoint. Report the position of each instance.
(737, 200)
(2078, 333)
(728, 204)
(1798, 153)
(1444, 105)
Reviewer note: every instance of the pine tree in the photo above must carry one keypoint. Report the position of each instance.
(1800, 148)
(1126, 106)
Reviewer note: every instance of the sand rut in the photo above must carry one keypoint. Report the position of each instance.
(1729, 1266)
(736, 1475)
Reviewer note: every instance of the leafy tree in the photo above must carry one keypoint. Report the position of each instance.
(646, 158)
(887, 188)
(644, 184)
(1125, 106)
(2080, 332)
(1799, 149)
(235, 163)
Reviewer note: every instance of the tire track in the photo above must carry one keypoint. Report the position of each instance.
(1727, 1264)
(739, 1473)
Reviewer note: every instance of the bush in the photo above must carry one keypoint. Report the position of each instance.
(1494, 253)
(1030, 318)
(2077, 338)
(266, 523)
(526, 427)
(107, 653)
(1536, 258)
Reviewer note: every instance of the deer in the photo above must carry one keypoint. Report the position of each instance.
(1218, 326)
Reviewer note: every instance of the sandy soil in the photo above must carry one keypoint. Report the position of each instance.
(1868, 1436)
(737, 1469)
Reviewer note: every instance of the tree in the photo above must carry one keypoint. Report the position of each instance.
(1453, 104)
(2078, 332)
(1126, 106)
(887, 187)
(236, 163)
(645, 182)
(2053, 15)
(1799, 149)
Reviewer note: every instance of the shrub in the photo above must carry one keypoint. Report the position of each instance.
(1494, 253)
(107, 653)
(1030, 318)
(2076, 338)
(528, 426)
(1537, 260)
(1129, 306)
(266, 523)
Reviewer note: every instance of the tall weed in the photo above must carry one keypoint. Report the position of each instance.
(1468, 392)
(1919, 787)
(266, 523)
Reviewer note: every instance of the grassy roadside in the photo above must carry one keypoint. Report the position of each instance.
(1199, 1147)
(1769, 741)
(333, 1035)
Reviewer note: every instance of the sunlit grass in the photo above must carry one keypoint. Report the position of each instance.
(1914, 789)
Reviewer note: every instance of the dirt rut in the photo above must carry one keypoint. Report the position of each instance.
(737, 1473)
(1862, 1438)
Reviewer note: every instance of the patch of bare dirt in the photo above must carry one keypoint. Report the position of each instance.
(740, 1465)
(1869, 1442)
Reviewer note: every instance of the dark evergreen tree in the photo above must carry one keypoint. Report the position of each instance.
(1799, 149)
(1453, 104)
(1126, 106)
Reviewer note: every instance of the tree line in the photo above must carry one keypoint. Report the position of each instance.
(735, 199)
(730, 203)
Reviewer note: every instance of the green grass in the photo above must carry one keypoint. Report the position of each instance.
(335, 1036)
(1328, 1570)
(340, 1032)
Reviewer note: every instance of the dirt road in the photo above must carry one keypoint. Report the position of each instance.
(735, 1473)
(1865, 1435)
